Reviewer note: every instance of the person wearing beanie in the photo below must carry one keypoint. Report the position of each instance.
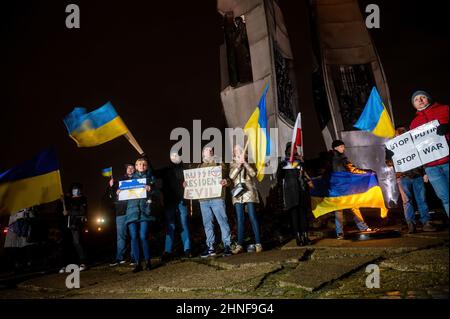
(340, 163)
(427, 111)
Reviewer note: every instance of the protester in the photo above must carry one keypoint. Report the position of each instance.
(175, 205)
(75, 211)
(215, 207)
(340, 163)
(427, 111)
(120, 209)
(294, 182)
(139, 215)
(242, 174)
(411, 184)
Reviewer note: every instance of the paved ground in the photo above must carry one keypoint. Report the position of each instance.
(411, 266)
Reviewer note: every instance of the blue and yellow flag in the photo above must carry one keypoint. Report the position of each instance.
(107, 172)
(345, 190)
(258, 135)
(34, 182)
(97, 127)
(375, 118)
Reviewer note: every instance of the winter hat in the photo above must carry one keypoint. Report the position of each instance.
(337, 143)
(421, 92)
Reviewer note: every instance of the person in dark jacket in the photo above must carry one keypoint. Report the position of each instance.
(437, 171)
(75, 212)
(139, 215)
(120, 209)
(411, 185)
(175, 205)
(295, 182)
(340, 163)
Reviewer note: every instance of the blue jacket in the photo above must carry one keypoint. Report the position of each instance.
(139, 210)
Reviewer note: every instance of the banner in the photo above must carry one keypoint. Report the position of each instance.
(132, 189)
(203, 183)
(417, 147)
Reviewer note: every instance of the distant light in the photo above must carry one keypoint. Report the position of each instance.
(99, 220)
(86, 231)
(99, 229)
(103, 220)
(5, 230)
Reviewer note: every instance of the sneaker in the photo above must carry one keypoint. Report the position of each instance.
(83, 267)
(227, 251)
(138, 268)
(238, 249)
(122, 262)
(114, 263)
(428, 227)
(340, 236)
(62, 270)
(209, 252)
(132, 263)
(258, 248)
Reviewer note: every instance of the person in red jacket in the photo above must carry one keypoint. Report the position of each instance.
(427, 111)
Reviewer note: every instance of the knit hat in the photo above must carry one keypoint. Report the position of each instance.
(336, 143)
(421, 92)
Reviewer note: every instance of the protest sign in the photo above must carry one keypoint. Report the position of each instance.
(203, 183)
(417, 147)
(133, 189)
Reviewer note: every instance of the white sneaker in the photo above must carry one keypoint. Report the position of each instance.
(62, 270)
(82, 267)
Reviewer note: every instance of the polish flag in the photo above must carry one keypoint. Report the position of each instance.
(297, 138)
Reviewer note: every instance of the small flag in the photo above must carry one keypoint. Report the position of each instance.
(375, 118)
(107, 172)
(34, 182)
(94, 128)
(258, 135)
(297, 138)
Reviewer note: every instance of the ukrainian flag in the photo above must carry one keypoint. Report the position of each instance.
(36, 181)
(107, 172)
(94, 128)
(375, 118)
(344, 190)
(258, 135)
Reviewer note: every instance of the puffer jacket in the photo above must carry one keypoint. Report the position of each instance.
(244, 174)
(435, 111)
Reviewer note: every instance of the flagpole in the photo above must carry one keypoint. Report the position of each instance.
(133, 142)
(301, 136)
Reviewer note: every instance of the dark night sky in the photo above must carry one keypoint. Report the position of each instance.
(157, 62)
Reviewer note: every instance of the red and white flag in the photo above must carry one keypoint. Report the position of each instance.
(297, 138)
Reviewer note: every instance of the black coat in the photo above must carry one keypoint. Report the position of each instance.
(172, 183)
(76, 211)
(292, 184)
(120, 207)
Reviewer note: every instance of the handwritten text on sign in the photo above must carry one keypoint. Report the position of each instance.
(202, 183)
(417, 147)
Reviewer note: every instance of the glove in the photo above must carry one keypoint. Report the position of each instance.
(442, 129)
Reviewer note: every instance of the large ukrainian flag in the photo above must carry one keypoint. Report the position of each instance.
(375, 118)
(344, 190)
(94, 128)
(258, 135)
(34, 182)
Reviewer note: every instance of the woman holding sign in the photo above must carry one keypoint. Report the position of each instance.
(138, 216)
(427, 111)
(244, 194)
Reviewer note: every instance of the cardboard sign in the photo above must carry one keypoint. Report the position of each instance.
(417, 147)
(203, 183)
(132, 189)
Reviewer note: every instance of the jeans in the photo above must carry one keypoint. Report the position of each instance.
(414, 186)
(180, 210)
(121, 237)
(210, 208)
(241, 222)
(139, 233)
(438, 176)
(359, 221)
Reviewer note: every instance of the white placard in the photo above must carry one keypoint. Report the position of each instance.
(417, 147)
(203, 183)
(132, 189)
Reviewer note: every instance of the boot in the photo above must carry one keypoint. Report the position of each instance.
(411, 228)
(138, 268)
(428, 227)
(299, 239)
(305, 239)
